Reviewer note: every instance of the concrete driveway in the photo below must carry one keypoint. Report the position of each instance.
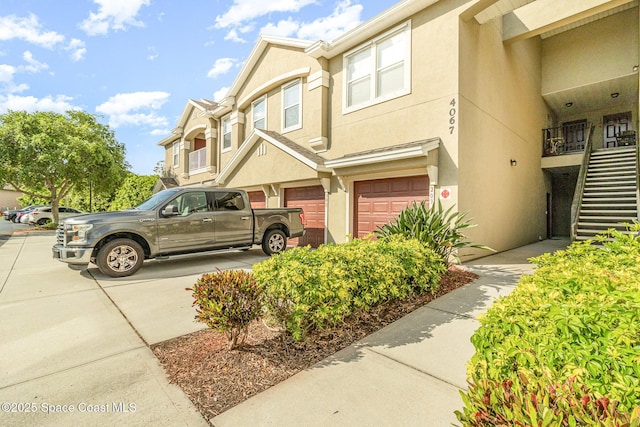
(74, 345)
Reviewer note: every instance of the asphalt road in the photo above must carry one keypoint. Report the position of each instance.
(7, 228)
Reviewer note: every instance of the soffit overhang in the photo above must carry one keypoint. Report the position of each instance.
(425, 150)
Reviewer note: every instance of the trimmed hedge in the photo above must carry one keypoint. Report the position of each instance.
(574, 325)
(312, 288)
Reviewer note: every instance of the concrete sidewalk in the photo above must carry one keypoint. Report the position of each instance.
(74, 345)
(78, 341)
(407, 374)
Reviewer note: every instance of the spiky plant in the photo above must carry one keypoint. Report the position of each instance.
(435, 227)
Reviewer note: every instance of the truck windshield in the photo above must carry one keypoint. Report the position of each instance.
(157, 199)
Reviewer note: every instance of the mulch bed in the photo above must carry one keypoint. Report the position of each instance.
(216, 378)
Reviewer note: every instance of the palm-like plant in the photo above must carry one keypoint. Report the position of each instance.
(436, 228)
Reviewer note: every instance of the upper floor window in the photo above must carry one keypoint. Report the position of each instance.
(176, 154)
(259, 108)
(379, 70)
(292, 106)
(226, 134)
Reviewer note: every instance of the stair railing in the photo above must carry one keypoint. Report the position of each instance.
(582, 177)
(637, 181)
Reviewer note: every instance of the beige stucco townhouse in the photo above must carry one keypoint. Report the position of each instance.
(496, 107)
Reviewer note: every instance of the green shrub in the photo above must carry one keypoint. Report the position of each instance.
(228, 301)
(490, 403)
(308, 289)
(576, 318)
(438, 229)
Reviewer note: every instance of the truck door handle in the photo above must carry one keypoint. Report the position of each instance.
(244, 218)
(207, 220)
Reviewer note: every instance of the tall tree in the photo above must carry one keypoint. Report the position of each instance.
(46, 154)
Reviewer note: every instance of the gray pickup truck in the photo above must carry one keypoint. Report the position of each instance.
(175, 221)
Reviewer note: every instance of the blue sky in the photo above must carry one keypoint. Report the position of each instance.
(137, 62)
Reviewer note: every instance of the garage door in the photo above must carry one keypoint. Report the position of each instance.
(378, 201)
(311, 200)
(257, 199)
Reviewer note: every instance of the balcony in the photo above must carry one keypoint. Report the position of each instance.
(567, 139)
(197, 160)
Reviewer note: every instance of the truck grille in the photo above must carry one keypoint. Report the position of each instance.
(60, 237)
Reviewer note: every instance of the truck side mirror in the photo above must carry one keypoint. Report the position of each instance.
(170, 210)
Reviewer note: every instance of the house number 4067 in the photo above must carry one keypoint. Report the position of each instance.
(452, 116)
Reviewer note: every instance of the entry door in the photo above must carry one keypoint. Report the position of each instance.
(574, 135)
(613, 125)
(192, 228)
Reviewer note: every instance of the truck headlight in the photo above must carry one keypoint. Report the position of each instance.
(78, 232)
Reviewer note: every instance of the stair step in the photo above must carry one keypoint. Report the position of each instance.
(630, 201)
(611, 172)
(608, 194)
(605, 225)
(621, 180)
(606, 166)
(631, 213)
(612, 152)
(582, 232)
(611, 183)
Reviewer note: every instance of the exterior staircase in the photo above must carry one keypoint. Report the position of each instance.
(610, 192)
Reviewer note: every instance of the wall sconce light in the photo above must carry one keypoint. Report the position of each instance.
(615, 94)
(569, 104)
(513, 162)
(635, 68)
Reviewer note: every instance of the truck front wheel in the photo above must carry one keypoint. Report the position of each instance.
(120, 258)
(274, 242)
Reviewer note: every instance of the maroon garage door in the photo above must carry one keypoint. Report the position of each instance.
(311, 200)
(378, 201)
(257, 199)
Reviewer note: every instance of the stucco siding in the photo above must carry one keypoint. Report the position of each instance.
(501, 115)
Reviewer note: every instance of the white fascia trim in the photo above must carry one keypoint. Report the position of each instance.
(277, 81)
(368, 29)
(247, 145)
(189, 132)
(370, 158)
(257, 51)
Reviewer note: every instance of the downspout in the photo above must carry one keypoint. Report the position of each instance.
(579, 191)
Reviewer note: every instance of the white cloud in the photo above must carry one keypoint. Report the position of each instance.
(77, 49)
(160, 132)
(58, 104)
(29, 30)
(153, 53)
(6, 73)
(284, 28)
(113, 15)
(221, 66)
(133, 108)
(220, 94)
(344, 17)
(33, 66)
(245, 10)
(233, 36)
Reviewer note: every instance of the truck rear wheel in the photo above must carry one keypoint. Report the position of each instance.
(274, 242)
(120, 258)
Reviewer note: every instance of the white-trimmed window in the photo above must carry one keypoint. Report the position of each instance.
(226, 133)
(292, 106)
(259, 109)
(379, 70)
(176, 154)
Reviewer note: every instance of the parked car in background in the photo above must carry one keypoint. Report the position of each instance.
(44, 215)
(23, 216)
(10, 214)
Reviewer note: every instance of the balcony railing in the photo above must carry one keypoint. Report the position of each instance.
(197, 159)
(570, 138)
